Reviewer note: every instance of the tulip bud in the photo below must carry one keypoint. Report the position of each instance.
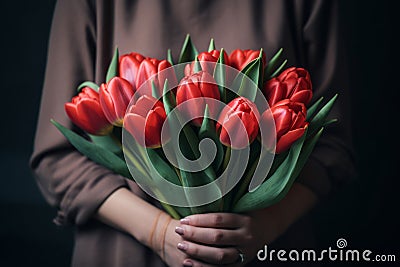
(137, 69)
(85, 111)
(207, 62)
(198, 86)
(114, 99)
(129, 66)
(238, 123)
(144, 121)
(157, 71)
(290, 124)
(293, 83)
(238, 59)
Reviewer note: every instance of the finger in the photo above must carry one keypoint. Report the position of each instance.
(210, 236)
(216, 220)
(210, 255)
(196, 263)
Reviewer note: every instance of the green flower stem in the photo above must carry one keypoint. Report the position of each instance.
(136, 163)
(246, 182)
(168, 208)
(171, 211)
(227, 157)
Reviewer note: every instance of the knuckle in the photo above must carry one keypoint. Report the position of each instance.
(249, 237)
(220, 256)
(217, 236)
(194, 251)
(189, 233)
(217, 219)
(246, 220)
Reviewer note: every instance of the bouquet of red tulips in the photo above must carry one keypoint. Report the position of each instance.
(212, 132)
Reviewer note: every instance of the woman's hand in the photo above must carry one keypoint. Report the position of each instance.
(219, 238)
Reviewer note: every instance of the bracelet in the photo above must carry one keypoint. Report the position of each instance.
(150, 242)
(163, 236)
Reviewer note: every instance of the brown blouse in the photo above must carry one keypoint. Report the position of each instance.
(83, 36)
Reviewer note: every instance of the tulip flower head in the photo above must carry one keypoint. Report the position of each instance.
(238, 59)
(293, 83)
(198, 86)
(129, 67)
(207, 62)
(114, 99)
(144, 121)
(138, 69)
(290, 124)
(85, 111)
(238, 123)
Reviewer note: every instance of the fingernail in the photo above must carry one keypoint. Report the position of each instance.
(188, 263)
(183, 246)
(179, 230)
(184, 221)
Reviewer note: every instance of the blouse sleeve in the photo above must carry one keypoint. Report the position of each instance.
(331, 163)
(67, 179)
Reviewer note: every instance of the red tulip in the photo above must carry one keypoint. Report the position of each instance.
(238, 59)
(148, 69)
(144, 121)
(207, 61)
(238, 123)
(137, 69)
(129, 66)
(114, 99)
(290, 123)
(85, 111)
(293, 83)
(199, 86)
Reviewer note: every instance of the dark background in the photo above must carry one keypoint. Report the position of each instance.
(365, 213)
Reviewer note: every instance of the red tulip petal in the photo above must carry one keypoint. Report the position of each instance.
(146, 70)
(121, 92)
(129, 66)
(284, 73)
(304, 97)
(70, 109)
(107, 104)
(288, 139)
(135, 125)
(234, 132)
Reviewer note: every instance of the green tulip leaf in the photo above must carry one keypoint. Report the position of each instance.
(189, 147)
(277, 186)
(108, 142)
(167, 172)
(170, 58)
(113, 68)
(188, 52)
(95, 152)
(207, 130)
(154, 90)
(272, 68)
(219, 75)
(329, 122)
(320, 118)
(279, 69)
(89, 84)
(168, 98)
(253, 70)
(164, 169)
(211, 46)
(314, 107)
(197, 66)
